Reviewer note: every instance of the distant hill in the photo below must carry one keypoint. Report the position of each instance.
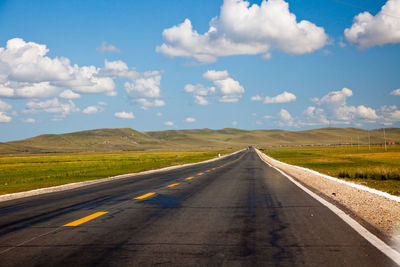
(108, 140)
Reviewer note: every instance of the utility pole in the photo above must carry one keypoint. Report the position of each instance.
(358, 139)
(384, 136)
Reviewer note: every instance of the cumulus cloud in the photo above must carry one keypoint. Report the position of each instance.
(91, 110)
(4, 117)
(234, 123)
(390, 113)
(4, 106)
(27, 72)
(51, 106)
(286, 118)
(256, 98)
(335, 105)
(383, 28)
(213, 75)
(395, 92)
(285, 97)
(29, 120)
(159, 114)
(107, 48)
(124, 115)
(69, 94)
(169, 123)
(224, 88)
(244, 29)
(146, 104)
(190, 120)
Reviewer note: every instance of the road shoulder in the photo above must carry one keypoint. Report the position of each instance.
(378, 214)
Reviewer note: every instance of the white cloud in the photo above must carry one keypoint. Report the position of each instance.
(213, 75)
(104, 48)
(314, 116)
(120, 69)
(244, 29)
(69, 94)
(390, 113)
(148, 87)
(4, 117)
(229, 86)
(335, 106)
(124, 115)
(234, 123)
(51, 106)
(169, 123)
(286, 118)
(4, 106)
(285, 97)
(190, 120)
(29, 120)
(91, 110)
(383, 28)
(159, 114)
(225, 88)
(256, 98)
(146, 104)
(201, 100)
(395, 92)
(268, 117)
(27, 72)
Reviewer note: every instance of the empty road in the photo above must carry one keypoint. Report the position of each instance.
(236, 211)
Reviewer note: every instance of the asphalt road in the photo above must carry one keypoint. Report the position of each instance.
(236, 211)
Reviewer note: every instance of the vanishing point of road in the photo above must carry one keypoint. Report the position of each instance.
(236, 211)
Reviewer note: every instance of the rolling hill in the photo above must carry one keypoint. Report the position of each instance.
(108, 140)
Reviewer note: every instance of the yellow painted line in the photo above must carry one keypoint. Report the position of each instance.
(200, 173)
(213, 169)
(86, 219)
(189, 178)
(207, 171)
(145, 195)
(172, 185)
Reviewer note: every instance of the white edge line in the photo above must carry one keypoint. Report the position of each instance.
(357, 186)
(69, 186)
(371, 238)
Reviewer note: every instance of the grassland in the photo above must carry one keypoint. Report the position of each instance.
(374, 168)
(125, 139)
(25, 172)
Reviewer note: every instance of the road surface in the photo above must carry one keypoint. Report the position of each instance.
(236, 211)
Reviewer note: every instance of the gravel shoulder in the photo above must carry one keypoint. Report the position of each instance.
(378, 211)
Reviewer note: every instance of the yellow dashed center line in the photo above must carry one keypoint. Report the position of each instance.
(85, 219)
(200, 173)
(172, 185)
(145, 195)
(207, 171)
(189, 178)
(213, 169)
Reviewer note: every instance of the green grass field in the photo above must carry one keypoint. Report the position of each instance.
(25, 172)
(374, 168)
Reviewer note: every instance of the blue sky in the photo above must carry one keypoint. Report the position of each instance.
(155, 65)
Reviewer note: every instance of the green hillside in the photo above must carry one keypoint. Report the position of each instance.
(109, 140)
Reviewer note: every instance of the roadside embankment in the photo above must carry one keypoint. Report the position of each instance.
(379, 211)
